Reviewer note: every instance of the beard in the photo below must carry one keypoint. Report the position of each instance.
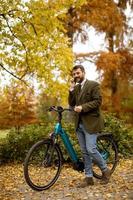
(79, 80)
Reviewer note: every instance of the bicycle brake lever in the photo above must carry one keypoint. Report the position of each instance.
(51, 108)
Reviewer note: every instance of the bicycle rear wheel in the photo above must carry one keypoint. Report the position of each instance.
(108, 149)
(42, 165)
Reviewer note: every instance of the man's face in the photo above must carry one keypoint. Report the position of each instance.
(78, 75)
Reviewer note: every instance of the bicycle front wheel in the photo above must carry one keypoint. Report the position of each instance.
(42, 165)
(108, 149)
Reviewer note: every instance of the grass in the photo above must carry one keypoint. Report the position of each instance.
(3, 133)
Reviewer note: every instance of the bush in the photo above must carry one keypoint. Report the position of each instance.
(15, 146)
(123, 135)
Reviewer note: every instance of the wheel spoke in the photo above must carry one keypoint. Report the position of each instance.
(41, 170)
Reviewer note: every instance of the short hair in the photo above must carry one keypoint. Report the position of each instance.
(78, 67)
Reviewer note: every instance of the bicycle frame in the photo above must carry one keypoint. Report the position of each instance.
(67, 143)
(58, 130)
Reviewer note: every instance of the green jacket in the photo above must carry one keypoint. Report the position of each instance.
(90, 98)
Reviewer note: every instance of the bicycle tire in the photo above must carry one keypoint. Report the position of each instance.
(48, 156)
(108, 149)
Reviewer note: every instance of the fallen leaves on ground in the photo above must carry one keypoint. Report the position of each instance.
(13, 186)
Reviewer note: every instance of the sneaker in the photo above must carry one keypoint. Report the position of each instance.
(106, 176)
(86, 182)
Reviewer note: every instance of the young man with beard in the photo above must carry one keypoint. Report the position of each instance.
(85, 98)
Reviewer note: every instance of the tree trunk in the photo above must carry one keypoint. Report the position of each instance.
(115, 97)
(70, 26)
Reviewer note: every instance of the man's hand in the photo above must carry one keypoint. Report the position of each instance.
(72, 85)
(78, 109)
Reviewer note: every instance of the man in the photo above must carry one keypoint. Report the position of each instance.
(85, 98)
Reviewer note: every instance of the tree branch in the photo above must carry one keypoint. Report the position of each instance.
(12, 74)
(26, 53)
(89, 54)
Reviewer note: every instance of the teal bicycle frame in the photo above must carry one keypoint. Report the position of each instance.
(67, 143)
(58, 130)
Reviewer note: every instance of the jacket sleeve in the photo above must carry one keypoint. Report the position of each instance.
(71, 98)
(96, 99)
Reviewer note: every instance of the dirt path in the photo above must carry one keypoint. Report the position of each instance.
(13, 186)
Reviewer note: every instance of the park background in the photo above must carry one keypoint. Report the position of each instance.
(40, 42)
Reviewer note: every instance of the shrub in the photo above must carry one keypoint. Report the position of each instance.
(15, 146)
(122, 134)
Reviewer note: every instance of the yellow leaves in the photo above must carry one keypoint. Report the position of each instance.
(36, 37)
(13, 185)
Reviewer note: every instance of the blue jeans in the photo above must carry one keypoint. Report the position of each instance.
(89, 150)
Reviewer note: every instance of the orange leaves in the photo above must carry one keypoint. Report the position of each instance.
(121, 62)
(126, 63)
(104, 16)
(117, 72)
(13, 185)
(108, 61)
(17, 106)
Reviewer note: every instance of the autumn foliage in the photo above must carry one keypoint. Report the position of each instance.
(36, 43)
(17, 106)
(116, 74)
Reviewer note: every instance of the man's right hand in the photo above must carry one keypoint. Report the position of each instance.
(72, 85)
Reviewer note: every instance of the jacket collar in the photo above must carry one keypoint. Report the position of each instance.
(83, 82)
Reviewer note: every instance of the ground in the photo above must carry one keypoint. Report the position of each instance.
(13, 186)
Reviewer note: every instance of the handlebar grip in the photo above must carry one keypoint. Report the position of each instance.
(59, 109)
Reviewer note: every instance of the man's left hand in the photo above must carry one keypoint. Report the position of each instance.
(78, 109)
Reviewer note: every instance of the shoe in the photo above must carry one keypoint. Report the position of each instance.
(86, 182)
(106, 176)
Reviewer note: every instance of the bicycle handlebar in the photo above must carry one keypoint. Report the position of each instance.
(59, 109)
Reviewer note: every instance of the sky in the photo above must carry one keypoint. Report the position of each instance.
(96, 43)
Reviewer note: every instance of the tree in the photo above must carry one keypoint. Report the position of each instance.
(37, 37)
(44, 102)
(108, 17)
(121, 63)
(17, 106)
(33, 41)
